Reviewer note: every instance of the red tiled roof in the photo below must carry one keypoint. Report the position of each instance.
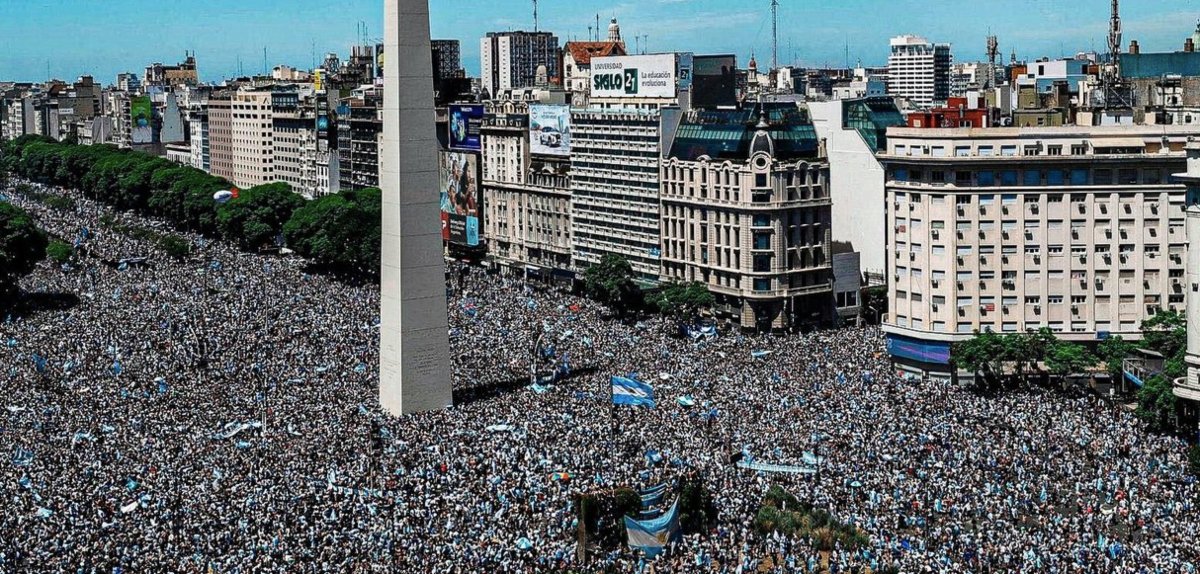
(583, 52)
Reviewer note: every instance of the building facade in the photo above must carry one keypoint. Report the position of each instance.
(220, 134)
(919, 70)
(359, 126)
(252, 133)
(526, 197)
(746, 211)
(511, 59)
(1077, 229)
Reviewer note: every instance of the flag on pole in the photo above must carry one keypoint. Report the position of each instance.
(627, 391)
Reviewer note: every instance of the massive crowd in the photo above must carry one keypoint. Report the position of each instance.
(221, 413)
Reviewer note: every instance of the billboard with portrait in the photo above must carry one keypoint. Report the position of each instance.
(141, 113)
(464, 127)
(461, 197)
(550, 130)
(645, 76)
(714, 81)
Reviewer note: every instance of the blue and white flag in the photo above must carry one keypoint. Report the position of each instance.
(653, 496)
(652, 536)
(627, 391)
(759, 354)
(39, 363)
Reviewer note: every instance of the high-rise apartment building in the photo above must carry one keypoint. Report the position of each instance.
(746, 211)
(359, 125)
(251, 130)
(919, 70)
(1077, 229)
(511, 59)
(128, 82)
(220, 134)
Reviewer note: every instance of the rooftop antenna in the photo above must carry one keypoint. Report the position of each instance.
(265, 72)
(993, 51)
(636, 42)
(597, 26)
(1114, 41)
(535, 21)
(774, 34)
(589, 32)
(645, 42)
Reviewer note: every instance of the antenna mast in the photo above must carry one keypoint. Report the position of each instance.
(535, 21)
(1114, 41)
(993, 51)
(774, 34)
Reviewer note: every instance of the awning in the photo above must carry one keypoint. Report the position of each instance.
(1118, 142)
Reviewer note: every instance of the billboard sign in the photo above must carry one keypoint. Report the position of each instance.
(461, 197)
(685, 71)
(647, 76)
(465, 121)
(141, 113)
(550, 130)
(714, 81)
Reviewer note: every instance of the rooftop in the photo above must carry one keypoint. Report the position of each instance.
(729, 134)
(583, 52)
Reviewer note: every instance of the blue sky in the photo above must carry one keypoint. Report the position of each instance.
(104, 37)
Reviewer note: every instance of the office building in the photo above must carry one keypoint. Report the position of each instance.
(1188, 387)
(160, 76)
(746, 211)
(446, 60)
(577, 66)
(919, 70)
(128, 82)
(511, 59)
(252, 137)
(220, 134)
(1077, 229)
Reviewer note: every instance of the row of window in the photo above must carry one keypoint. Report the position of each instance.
(1034, 177)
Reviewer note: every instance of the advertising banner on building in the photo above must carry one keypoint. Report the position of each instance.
(647, 76)
(685, 70)
(461, 197)
(465, 121)
(141, 113)
(550, 130)
(714, 81)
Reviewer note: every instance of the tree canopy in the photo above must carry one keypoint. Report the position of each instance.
(22, 245)
(681, 300)
(611, 282)
(341, 230)
(257, 215)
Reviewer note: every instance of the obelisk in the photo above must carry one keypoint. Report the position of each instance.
(414, 354)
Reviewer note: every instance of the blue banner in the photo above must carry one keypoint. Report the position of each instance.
(628, 391)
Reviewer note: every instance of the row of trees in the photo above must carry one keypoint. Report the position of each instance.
(22, 245)
(611, 281)
(340, 231)
(996, 358)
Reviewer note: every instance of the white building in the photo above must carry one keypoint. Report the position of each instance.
(1077, 229)
(854, 131)
(511, 59)
(919, 70)
(1188, 388)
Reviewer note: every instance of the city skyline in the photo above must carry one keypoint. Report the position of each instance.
(298, 38)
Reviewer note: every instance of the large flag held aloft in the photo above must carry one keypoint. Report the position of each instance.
(651, 536)
(628, 391)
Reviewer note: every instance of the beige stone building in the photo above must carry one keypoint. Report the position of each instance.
(220, 134)
(1078, 229)
(253, 138)
(526, 197)
(746, 211)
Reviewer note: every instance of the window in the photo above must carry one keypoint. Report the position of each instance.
(986, 150)
(986, 178)
(938, 151)
(1151, 176)
(1032, 177)
(1127, 176)
(1103, 177)
(762, 263)
(962, 178)
(1030, 150)
(1055, 177)
(1079, 149)
(1008, 177)
(762, 284)
(1079, 177)
(962, 151)
(1054, 150)
(1008, 150)
(760, 180)
(900, 174)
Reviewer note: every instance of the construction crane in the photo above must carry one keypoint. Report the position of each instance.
(1114, 42)
(993, 52)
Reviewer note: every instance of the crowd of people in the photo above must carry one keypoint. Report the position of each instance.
(220, 413)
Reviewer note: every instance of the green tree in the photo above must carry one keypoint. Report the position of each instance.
(1065, 359)
(257, 215)
(175, 246)
(681, 300)
(1194, 459)
(22, 245)
(982, 354)
(1156, 403)
(1112, 352)
(336, 230)
(1166, 333)
(60, 252)
(874, 302)
(611, 282)
(697, 511)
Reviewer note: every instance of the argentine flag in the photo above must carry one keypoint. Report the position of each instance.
(651, 536)
(627, 391)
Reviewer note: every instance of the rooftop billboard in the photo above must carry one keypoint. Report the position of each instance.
(646, 76)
